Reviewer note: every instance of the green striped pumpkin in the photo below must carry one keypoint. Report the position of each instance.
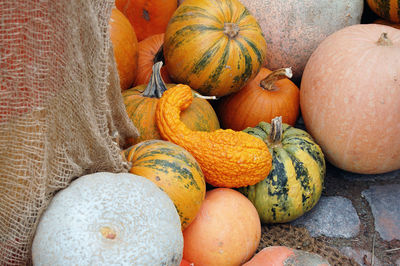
(215, 47)
(174, 170)
(295, 182)
(386, 9)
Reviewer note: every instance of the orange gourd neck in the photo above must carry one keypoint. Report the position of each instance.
(384, 40)
(268, 83)
(156, 86)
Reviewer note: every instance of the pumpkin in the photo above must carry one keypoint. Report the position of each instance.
(388, 23)
(386, 9)
(150, 52)
(104, 218)
(281, 255)
(268, 95)
(293, 29)
(226, 231)
(125, 47)
(295, 182)
(227, 158)
(148, 17)
(141, 102)
(349, 98)
(174, 170)
(215, 47)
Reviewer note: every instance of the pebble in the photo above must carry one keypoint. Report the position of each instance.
(385, 205)
(332, 217)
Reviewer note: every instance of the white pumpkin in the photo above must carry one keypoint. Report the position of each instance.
(109, 219)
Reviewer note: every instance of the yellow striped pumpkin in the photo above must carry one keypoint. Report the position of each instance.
(295, 182)
(215, 47)
(386, 9)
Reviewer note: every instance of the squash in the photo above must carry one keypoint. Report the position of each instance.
(386, 9)
(388, 23)
(148, 17)
(227, 230)
(295, 182)
(215, 47)
(104, 218)
(268, 95)
(281, 255)
(174, 170)
(350, 95)
(141, 102)
(150, 52)
(293, 29)
(227, 158)
(125, 47)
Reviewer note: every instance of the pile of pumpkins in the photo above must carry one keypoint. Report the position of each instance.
(207, 84)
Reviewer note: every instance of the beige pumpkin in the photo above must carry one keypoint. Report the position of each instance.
(109, 219)
(293, 28)
(350, 98)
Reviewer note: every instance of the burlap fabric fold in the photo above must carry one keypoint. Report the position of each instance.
(61, 110)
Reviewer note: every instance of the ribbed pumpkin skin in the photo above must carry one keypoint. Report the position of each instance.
(295, 182)
(174, 170)
(386, 9)
(141, 110)
(198, 52)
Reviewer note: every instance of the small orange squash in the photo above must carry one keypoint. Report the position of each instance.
(125, 46)
(226, 231)
(174, 170)
(386, 9)
(228, 158)
(268, 95)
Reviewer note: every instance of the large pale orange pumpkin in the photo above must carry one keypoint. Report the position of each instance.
(125, 48)
(226, 231)
(350, 98)
(148, 17)
(293, 28)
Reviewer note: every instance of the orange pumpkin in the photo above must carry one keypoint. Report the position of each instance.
(150, 52)
(386, 9)
(268, 95)
(125, 46)
(148, 17)
(388, 23)
(141, 102)
(226, 231)
(281, 255)
(350, 95)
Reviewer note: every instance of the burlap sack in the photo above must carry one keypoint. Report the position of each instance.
(61, 109)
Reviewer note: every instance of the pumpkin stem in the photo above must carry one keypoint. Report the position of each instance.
(268, 83)
(205, 97)
(159, 56)
(231, 29)
(276, 130)
(156, 86)
(108, 232)
(384, 40)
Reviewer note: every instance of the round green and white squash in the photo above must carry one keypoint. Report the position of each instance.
(109, 219)
(295, 182)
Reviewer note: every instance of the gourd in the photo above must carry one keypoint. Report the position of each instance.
(349, 98)
(268, 95)
(150, 52)
(125, 47)
(174, 170)
(295, 182)
(215, 47)
(141, 102)
(386, 9)
(148, 17)
(281, 255)
(227, 158)
(106, 218)
(226, 231)
(293, 29)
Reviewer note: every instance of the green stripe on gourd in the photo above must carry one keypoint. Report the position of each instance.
(295, 182)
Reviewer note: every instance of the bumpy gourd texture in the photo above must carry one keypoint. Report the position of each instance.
(295, 182)
(228, 158)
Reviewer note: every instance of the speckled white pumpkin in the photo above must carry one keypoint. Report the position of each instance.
(294, 28)
(109, 219)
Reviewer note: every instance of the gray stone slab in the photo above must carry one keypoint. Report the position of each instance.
(331, 217)
(385, 205)
(358, 255)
